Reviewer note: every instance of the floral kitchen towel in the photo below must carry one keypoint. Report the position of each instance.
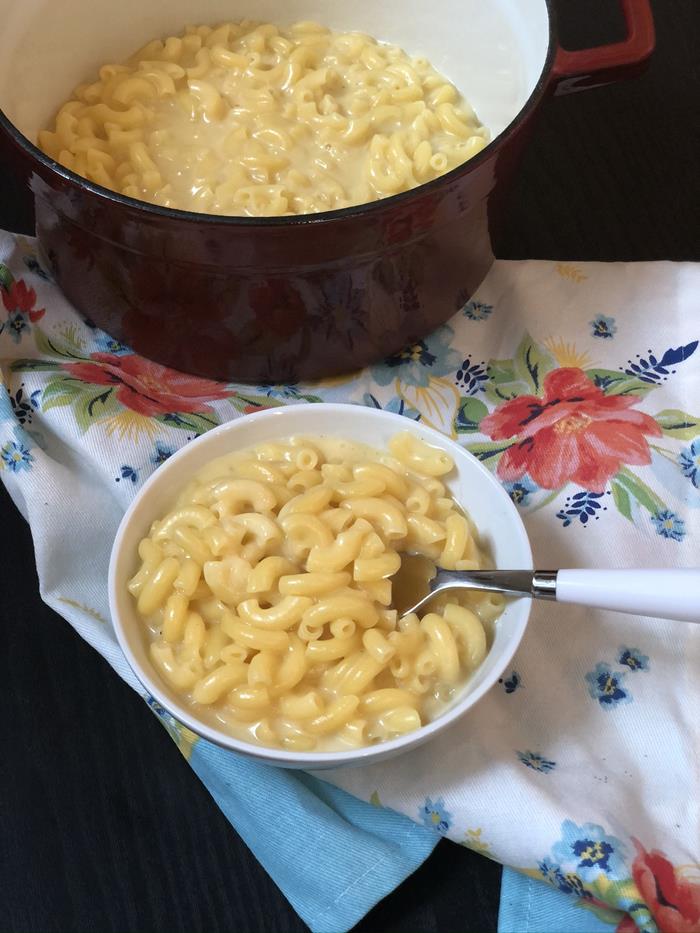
(579, 386)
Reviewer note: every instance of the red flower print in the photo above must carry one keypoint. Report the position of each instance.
(673, 902)
(573, 433)
(147, 388)
(20, 298)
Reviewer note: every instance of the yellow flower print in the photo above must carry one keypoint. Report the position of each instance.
(567, 271)
(473, 841)
(437, 402)
(130, 426)
(566, 354)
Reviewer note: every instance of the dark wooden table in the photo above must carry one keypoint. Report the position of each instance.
(103, 827)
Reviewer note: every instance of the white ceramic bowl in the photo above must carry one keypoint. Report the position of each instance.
(472, 485)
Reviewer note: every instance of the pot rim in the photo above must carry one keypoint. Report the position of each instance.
(358, 210)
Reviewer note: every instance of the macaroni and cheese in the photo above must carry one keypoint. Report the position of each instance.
(249, 119)
(267, 595)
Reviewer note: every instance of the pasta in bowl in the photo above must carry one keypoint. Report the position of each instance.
(251, 584)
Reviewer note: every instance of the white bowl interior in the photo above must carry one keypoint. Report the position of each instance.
(472, 485)
(493, 50)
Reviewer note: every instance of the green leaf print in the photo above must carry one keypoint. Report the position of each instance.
(61, 392)
(503, 383)
(44, 366)
(471, 411)
(501, 371)
(532, 363)
(54, 348)
(622, 500)
(489, 452)
(96, 403)
(241, 401)
(678, 424)
(613, 382)
(189, 421)
(639, 491)
(6, 277)
(74, 342)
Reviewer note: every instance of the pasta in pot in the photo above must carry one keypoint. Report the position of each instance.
(275, 622)
(247, 119)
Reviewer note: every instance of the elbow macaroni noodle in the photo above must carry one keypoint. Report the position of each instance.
(247, 119)
(274, 620)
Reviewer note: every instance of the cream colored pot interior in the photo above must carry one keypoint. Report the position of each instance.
(493, 50)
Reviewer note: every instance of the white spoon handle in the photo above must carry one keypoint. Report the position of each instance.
(668, 594)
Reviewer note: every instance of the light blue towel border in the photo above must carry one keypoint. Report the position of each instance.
(333, 856)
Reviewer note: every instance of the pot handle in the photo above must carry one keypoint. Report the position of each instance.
(587, 68)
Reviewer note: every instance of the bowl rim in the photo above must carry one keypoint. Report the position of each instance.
(358, 210)
(149, 678)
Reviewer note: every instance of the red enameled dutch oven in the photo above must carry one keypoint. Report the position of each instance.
(289, 298)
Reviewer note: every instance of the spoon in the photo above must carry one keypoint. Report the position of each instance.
(666, 594)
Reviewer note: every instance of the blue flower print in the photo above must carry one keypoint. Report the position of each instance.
(477, 310)
(655, 371)
(568, 884)
(521, 490)
(552, 874)
(574, 885)
(669, 525)
(689, 461)
(582, 506)
(395, 405)
(602, 326)
(129, 473)
(15, 325)
(107, 344)
(435, 816)
(157, 708)
(512, 683)
(23, 406)
(280, 391)
(161, 453)
(633, 659)
(471, 377)
(536, 762)
(588, 851)
(607, 686)
(15, 456)
(417, 363)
